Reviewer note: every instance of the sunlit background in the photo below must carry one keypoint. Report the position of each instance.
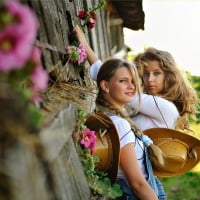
(171, 25)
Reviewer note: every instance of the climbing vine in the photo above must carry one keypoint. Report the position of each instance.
(85, 141)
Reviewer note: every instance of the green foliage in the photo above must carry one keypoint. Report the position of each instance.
(17, 88)
(196, 84)
(98, 181)
(185, 187)
(105, 188)
(196, 128)
(35, 115)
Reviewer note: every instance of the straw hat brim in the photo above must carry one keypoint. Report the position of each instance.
(175, 141)
(107, 144)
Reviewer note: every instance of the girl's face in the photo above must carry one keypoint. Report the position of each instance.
(120, 89)
(153, 78)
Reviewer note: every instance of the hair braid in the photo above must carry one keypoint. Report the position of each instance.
(105, 106)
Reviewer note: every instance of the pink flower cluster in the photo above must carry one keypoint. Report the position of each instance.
(76, 54)
(89, 18)
(17, 36)
(89, 139)
(39, 77)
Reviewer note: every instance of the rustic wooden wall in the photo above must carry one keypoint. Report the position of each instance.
(46, 166)
(56, 22)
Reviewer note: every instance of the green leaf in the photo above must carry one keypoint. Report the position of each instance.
(115, 191)
(35, 116)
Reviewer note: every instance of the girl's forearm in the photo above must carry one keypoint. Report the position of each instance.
(91, 56)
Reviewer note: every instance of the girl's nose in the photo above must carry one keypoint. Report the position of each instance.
(150, 78)
(131, 85)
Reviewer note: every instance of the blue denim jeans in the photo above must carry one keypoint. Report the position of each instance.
(161, 193)
(152, 180)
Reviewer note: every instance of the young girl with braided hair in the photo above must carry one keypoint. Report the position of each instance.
(117, 83)
(146, 113)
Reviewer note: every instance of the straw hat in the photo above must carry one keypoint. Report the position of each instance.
(181, 151)
(107, 145)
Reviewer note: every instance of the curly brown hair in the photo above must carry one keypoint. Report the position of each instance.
(177, 87)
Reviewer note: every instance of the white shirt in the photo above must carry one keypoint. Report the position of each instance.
(150, 111)
(126, 136)
(154, 112)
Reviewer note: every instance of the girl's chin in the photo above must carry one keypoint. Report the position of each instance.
(152, 92)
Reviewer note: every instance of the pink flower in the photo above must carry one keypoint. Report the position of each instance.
(39, 79)
(14, 51)
(35, 56)
(76, 54)
(39, 76)
(17, 38)
(82, 14)
(82, 54)
(89, 139)
(24, 20)
(36, 97)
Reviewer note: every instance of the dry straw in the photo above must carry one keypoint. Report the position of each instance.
(67, 86)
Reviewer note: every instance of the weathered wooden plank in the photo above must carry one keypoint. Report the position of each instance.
(57, 174)
(22, 174)
(53, 29)
(75, 180)
(55, 136)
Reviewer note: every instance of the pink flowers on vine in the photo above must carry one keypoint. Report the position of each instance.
(19, 58)
(88, 139)
(17, 36)
(76, 54)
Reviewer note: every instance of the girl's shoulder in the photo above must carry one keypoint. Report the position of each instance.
(94, 69)
(158, 101)
(119, 120)
(120, 123)
(124, 130)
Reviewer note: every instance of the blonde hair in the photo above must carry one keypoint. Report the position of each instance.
(177, 87)
(106, 72)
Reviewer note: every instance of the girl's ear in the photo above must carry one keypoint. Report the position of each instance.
(104, 86)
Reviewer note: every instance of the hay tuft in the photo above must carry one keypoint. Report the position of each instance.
(68, 86)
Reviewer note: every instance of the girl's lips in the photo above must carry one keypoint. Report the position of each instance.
(129, 94)
(151, 86)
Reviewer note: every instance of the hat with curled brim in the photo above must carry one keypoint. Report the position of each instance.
(107, 144)
(181, 151)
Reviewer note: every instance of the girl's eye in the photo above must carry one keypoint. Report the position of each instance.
(146, 74)
(157, 73)
(123, 80)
